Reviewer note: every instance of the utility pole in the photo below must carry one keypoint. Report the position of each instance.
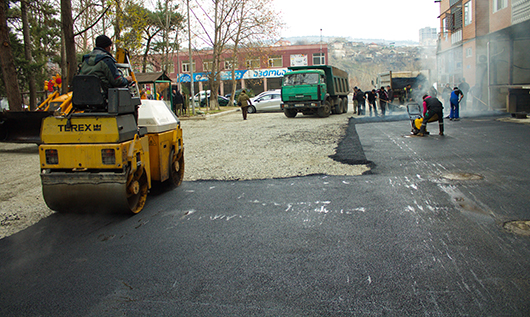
(321, 47)
(191, 62)
(178, 60)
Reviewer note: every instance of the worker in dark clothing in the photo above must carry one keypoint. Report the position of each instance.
(464, 87)
(407, 93)
(101, 63)
(383, 99)
(178, 102)
(390, 94)
(372, 96)
(359, 96)
(433, 110)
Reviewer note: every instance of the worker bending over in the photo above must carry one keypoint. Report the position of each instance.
(432, 111)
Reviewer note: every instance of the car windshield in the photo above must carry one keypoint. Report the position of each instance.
(300, 79)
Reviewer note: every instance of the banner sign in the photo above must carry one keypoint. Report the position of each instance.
(239, 74)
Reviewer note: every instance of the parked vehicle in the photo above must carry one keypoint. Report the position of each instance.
(268, 92)
(398, 81)
(223, 101)
(319, 89)
(203, 94)
(266, 101)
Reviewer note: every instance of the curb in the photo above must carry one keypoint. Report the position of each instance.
(207, 116)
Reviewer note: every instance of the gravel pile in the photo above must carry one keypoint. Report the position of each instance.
(267, 145)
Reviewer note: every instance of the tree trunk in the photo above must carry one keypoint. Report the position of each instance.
(69, 43)
(117, 22)
(8, 64)
(214, 82)
(27, 54)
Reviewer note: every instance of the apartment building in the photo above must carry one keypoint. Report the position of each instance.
(485, 42)
(428, 36)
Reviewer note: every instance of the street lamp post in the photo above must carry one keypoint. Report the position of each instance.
(191, 62)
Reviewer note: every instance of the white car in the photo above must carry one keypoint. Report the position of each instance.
(266, 101)
(202, 94)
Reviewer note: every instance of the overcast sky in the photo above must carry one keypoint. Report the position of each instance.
(372, 19)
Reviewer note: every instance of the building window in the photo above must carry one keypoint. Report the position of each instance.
(499, 5)
(444, 27)
(275, 61)
(229, 63)
(468, 13)
(252, 63)
(186, 67)
(469, 52)
(319, 59)
(207, 66)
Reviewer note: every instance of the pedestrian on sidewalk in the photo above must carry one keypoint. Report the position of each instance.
(243, 101)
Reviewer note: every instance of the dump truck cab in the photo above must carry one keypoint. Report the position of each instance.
(320, 90)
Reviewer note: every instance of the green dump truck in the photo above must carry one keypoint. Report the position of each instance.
(319, 90)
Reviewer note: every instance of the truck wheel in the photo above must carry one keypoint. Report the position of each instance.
(290, 113)
(325, 110)
(337, 108)
(345, 105)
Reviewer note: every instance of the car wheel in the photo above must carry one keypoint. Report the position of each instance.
(251, 109)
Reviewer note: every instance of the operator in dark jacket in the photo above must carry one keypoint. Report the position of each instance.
(100, 62)
(433, 109)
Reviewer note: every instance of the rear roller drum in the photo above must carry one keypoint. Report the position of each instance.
(176, 172)
(137, 190)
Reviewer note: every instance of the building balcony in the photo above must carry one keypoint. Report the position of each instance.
(456, 37)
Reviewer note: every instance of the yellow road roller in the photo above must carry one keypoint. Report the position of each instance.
(105, 154)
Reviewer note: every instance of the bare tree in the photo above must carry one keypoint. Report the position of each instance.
(8, 64)
(256, 23)
(69, 43)
(27, 53)
(228, 23)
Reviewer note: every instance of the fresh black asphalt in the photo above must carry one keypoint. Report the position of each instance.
(402, 240)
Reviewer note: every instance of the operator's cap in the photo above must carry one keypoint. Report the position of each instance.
(103, 41)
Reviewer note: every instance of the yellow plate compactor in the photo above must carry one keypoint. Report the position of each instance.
(104, 155)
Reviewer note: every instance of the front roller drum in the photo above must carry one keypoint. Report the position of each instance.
(94, 192)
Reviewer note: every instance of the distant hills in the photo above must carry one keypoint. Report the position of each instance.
(297, 40)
